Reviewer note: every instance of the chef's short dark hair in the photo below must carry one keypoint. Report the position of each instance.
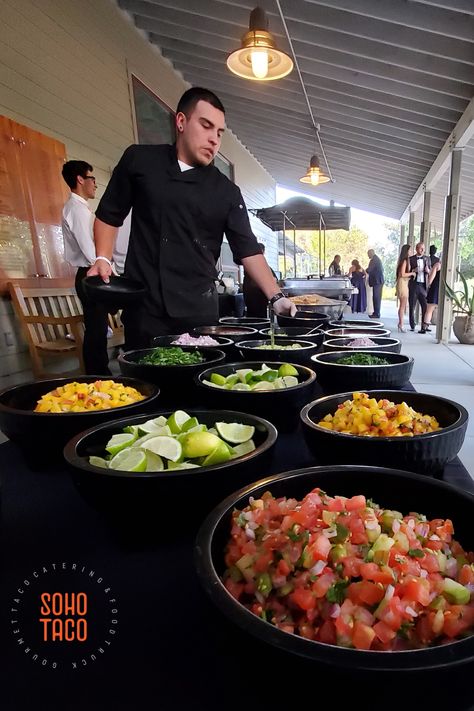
(189, 99)
(72, 169)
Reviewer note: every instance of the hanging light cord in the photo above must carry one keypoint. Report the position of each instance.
(313, 121)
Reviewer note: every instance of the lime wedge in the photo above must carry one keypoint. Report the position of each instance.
(213, 430)
(152, 426)
(263, 385)
(199, 444)
(269, 376)
(244, 448)
(119, 441)
(176, 421)
(154, 463)
(219, 455)
(197, 428)
(217, 379)
(129, 460)
(166, 447)
(265, 367)
(241, 386)
(182, 465)
(232, 379)
(234, 432)
(98, 462)
(160, 421)
(287, 369)
(211, 385)
(156, 432)
(289, 381)
(132, 429)
(242, 373)
(190, 424)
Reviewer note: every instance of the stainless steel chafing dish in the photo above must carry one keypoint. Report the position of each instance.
(331, 287)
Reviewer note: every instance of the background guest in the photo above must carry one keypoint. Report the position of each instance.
(357, 275)
(433, 286)
(335, 268)
(417, 288)
(376, 281)
(404, 274)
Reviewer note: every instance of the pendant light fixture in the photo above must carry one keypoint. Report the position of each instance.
(314, 174)
(258, 57)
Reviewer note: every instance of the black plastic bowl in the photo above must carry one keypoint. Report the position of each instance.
(282, 407)
(334, 377)
(392, 345)
(249, 351)
(303, 319)
(391, 489)
(292, 332)
(224, 344)
(156, 492)
(176, 382)
(426, 454)
(42, 435)
(119, 292)
(352, 331)
(356, 323)
(252, 321)
(235, 333)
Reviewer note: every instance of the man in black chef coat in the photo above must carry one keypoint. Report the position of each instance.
(182, 206)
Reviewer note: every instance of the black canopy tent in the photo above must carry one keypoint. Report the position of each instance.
(300, 213)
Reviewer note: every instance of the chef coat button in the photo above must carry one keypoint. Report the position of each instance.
(241, 207)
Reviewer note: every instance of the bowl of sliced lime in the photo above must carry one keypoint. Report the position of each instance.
(274, 391)
(137, 464)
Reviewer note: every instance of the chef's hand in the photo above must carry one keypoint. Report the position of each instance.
(284, 307)
(101, 268)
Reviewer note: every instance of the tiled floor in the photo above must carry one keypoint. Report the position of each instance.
(442, 370)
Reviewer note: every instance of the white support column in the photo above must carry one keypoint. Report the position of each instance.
(450, 247)
(411, 229)
(402, 235)
(425, 222)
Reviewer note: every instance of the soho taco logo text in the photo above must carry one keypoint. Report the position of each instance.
(64, 615)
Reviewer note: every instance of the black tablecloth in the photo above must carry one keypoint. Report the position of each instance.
(172, 649)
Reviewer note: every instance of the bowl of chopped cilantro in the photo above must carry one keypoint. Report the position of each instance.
(171, 367)
(338, 371)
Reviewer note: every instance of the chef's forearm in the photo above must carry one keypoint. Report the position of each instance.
(104, 238)
(257, 269)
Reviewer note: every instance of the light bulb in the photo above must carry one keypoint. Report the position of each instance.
(315, 178)
(259, 60)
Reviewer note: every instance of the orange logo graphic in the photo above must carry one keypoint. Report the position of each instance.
(63, 616)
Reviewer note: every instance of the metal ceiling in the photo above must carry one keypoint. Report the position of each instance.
(387, 80)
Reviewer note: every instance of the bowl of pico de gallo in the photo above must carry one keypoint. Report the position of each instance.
(363, 568)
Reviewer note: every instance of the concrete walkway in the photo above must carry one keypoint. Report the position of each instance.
(444, 370)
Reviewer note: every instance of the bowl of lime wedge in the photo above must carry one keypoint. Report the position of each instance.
(140, 463)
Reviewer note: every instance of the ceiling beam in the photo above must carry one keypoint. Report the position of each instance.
(459, 138)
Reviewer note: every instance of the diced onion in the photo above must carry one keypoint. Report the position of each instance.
(318, 567)
(411, 611)
(389, 592)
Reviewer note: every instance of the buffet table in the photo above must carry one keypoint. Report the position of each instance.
(172, 650)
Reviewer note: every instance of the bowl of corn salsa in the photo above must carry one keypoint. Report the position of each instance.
(338, 565)
(41, 416)
(400, 428)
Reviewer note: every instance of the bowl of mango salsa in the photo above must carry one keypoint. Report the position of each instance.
(405, 429)
(42, 416)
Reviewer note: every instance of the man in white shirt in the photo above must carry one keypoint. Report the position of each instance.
(79, 251)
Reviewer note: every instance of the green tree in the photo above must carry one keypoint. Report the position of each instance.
(466, 247)
(351, 244)
(389, 251)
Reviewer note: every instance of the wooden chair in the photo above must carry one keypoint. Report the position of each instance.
(47, 317)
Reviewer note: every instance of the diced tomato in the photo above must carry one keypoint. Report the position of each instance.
(320, 548)
(235, 589)
(417, 590)
(424, 628)
(365, 592)
(249, 547)
(357, 529)
(352, 566)
(263, 561)
(355, 503)
(303, 598)
(466, 575)
(362, 636)
(384, 632)
(433, 545)
(323, 583)
(327, 633)
(430, 563)
(458, 619)
(371, 571)
(336, 504)
(283, 568)
(344, 625)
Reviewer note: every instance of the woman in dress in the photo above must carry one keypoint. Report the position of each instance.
(404, 274)
(357, 275)
(335, 266)
(433, 287)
